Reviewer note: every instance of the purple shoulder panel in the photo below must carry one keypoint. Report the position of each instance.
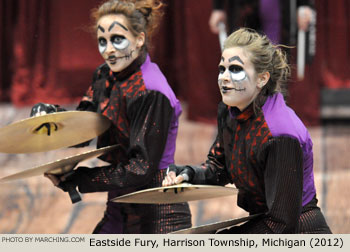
(283, 121)
(155, 80)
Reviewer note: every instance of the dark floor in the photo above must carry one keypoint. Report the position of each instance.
(34, 206)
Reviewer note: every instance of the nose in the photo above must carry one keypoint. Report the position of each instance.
(110, 48)
(224, 77)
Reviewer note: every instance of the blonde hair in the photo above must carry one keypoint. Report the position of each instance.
(142, 15)
(265, 56)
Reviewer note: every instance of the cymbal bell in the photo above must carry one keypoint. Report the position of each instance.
(176, 193)
(63, 129)
(59, 166)
(214, 227)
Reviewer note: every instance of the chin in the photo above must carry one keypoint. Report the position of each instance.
(116, 69)
(228, 102)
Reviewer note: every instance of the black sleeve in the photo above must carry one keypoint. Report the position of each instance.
(283, 188)
(218, 4)
(150, 116)
(213, 170)
(306, 3)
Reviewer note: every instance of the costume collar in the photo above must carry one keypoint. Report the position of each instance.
(243, 116)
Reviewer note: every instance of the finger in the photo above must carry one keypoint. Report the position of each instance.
(165, 181)
(53, 178)
(179, 179)
(171, 175)
(169, 181)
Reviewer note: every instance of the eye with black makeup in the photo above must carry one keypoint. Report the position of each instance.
(222, 69)
(102, 41)
(118, 39)
(235, 68)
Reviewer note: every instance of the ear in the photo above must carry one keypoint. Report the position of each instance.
(263, 78)
(140, 40)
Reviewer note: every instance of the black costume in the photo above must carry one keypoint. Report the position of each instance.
(144, 113)
(268, 156)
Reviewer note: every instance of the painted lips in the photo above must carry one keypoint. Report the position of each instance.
(113, 59)
(225, 89)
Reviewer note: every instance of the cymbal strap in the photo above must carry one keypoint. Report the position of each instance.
(73, 194)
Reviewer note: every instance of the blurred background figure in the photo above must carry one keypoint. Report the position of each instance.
(278, 19)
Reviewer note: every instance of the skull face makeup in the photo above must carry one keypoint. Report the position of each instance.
(117, 45)
(238, 81)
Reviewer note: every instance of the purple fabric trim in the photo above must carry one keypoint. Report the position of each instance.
(155, 80)
(283, 121)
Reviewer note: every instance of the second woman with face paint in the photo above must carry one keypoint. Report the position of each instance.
(133, 93)
(262, 147)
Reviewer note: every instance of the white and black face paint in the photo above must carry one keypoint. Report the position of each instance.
(237, 75)
(237, 78)
(116, 43)
(119, 43)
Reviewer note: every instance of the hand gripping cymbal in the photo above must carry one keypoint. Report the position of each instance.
(60, 166)
(52, 131)
(63, 166)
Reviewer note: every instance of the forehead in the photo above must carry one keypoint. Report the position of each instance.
(235, 55)
(112, 23)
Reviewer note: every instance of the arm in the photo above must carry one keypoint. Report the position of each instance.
(304, 14)
(150, 116)
(217, 16)
(283, 189)
(211, 172)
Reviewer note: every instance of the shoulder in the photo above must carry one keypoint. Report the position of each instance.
(154, 80)
(101, 71)
(282, 120)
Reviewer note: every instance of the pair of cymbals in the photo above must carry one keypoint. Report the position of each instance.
(52, 131)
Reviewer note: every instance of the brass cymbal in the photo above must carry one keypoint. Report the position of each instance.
(59, 166)
(176, 193)
(214, 227)
(65, 129)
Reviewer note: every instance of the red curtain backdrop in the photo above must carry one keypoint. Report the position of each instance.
(8, 16)
(54, 55)
(189, 54)
(48, 56)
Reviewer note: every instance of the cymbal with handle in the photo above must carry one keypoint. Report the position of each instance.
(52, 131)
(60, 166)
(176, 193)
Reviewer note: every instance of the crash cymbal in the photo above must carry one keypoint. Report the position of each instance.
(214, 227)
(64, 129)
(60, 166)
(176, 193)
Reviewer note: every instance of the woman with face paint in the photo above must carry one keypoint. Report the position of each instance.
(133, 93)
(261, 147)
